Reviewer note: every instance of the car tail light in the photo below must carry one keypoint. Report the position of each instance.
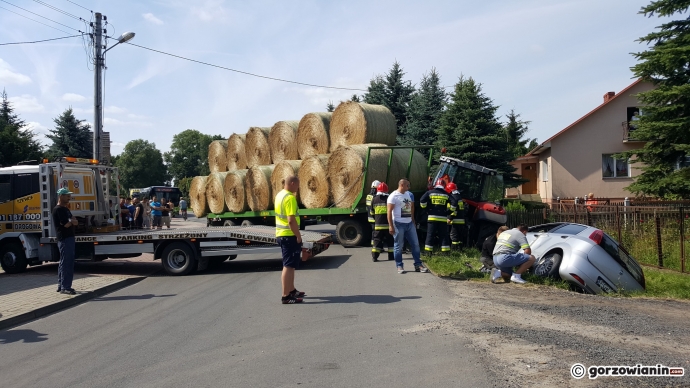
(579, 279)
(597, 236)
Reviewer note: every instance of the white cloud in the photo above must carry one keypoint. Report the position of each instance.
(73, 97)
(114, 109)
(151, 18)
(119, 123)
(136, 117)
(210, 10)
(26, 103)
(7, 75)
(40, 130)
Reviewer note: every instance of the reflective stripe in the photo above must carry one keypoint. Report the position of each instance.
(423, 205)
(524, 246)
(375, 250)
(381, 227)
(445, 249)
(456, 243)
(437, 218)
(459, 222)
(282, 226)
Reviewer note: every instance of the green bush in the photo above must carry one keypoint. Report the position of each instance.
(515, 206)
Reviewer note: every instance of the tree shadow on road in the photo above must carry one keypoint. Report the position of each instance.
(131, 297)
(26, 336)
(269, 265)
(368, 299)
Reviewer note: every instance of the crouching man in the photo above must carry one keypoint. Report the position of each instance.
(506, 255)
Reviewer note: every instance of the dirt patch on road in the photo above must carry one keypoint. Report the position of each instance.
(531, 336)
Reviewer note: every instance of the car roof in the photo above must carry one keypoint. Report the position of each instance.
(19, 169)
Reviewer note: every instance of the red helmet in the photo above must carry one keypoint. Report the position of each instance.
(382, 187)
(440, 182)
(451, 187)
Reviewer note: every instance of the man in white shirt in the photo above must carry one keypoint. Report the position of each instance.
(402, 225)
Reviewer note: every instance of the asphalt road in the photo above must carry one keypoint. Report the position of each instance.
(362, 324)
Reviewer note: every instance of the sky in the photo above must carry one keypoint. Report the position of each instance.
(549, 60)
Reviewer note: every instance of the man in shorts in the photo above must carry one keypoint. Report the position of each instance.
(506, 255)
(289, 238)
(156, 214)
(183, 208)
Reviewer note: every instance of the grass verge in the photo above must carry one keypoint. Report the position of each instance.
(465, 265)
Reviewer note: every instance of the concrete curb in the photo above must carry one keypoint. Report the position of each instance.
(55, 307)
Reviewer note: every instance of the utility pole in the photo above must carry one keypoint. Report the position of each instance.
(97, 84)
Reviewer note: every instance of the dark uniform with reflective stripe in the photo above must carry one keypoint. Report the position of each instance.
(457, 218)
(370, 197)
(380, 234)
(439, 204)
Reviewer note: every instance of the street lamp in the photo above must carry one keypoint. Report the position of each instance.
(98, 83)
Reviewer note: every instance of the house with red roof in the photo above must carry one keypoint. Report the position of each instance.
(579, 159)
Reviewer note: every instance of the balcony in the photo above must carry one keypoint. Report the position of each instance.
(629, 133)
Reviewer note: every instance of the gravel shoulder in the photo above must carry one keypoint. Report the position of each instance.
(532, 335)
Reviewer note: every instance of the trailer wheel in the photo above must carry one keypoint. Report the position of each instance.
(178, 259)
(12, 258)
(247, 223)
(229, 223)
(350, 232)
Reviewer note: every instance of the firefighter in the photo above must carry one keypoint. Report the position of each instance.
(439, 205)
(370, 196)
(457, 218)
(380, 233)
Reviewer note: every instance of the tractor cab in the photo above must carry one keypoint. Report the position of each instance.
(482, 189)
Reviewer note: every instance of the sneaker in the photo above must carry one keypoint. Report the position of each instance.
(421, 268)
(495, 274)
(290, 299)
(296, 293)
(68, 292)
(401, 270)
(517, 279)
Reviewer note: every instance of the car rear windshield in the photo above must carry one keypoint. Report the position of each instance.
(623, 258)
(569, 229)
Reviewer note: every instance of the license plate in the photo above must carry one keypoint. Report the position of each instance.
(603, 285)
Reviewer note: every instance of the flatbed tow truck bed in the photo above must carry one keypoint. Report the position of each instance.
(184, 250)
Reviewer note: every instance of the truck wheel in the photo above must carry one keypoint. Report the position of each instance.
(350, 233)
(12, 258)
(178, 259)
(229, 223)
(247, 223)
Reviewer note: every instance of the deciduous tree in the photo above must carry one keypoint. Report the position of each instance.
(188, 155)
(141, 165)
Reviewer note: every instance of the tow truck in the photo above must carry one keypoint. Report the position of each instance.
(28, 237)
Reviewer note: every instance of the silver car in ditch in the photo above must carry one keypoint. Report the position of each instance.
(584, 256)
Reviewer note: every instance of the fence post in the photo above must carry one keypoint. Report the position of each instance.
(618, 224)
(657, 221)
(682, 239)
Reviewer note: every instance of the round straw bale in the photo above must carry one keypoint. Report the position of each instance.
(257, 188)
(314, 188)
(215, 195)
(312, 134)
(358, 123)
(346, 166)
(197, 196)
(217, 156)
(282, 171)
(234, 191)
(283, 141)
(236, 156)
(256, 146)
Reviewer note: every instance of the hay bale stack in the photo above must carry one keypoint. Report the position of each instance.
(197, 196)
(217, 156)
(257, 188)
(346, 165)
(233, 188)
(314, 188)
(312, 134)
(215, 194)
(283, 141)
(358, 123)
(236, 156)
(282, 171)
(256, 146)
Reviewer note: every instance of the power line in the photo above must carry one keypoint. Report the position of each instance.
(40, 15)
(58, 10)
(79, 5)
(243, 72)
(39, 41)
(47, 25)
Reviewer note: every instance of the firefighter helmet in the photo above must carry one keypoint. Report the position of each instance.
(375, 184)
(451, 187)
(440, 183)
(382, 188)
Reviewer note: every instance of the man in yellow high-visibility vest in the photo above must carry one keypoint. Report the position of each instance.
(289, 238)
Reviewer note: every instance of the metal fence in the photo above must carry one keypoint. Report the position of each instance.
(654, 235)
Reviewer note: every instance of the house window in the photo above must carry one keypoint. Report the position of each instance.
(683, 162)
(544, 171)
(614, 168)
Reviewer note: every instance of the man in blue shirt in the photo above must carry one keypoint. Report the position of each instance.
(156, 213)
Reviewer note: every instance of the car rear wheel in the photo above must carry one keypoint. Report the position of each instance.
(548, 265)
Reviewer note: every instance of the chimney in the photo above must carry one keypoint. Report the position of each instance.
(608, 96)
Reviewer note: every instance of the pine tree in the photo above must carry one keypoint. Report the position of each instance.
(17, 142)
(470, 131)
(330, 107)
(355, 98)
(424, 113)
(393, 92)
(515, 131)
(665, 122)
(71, 137)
